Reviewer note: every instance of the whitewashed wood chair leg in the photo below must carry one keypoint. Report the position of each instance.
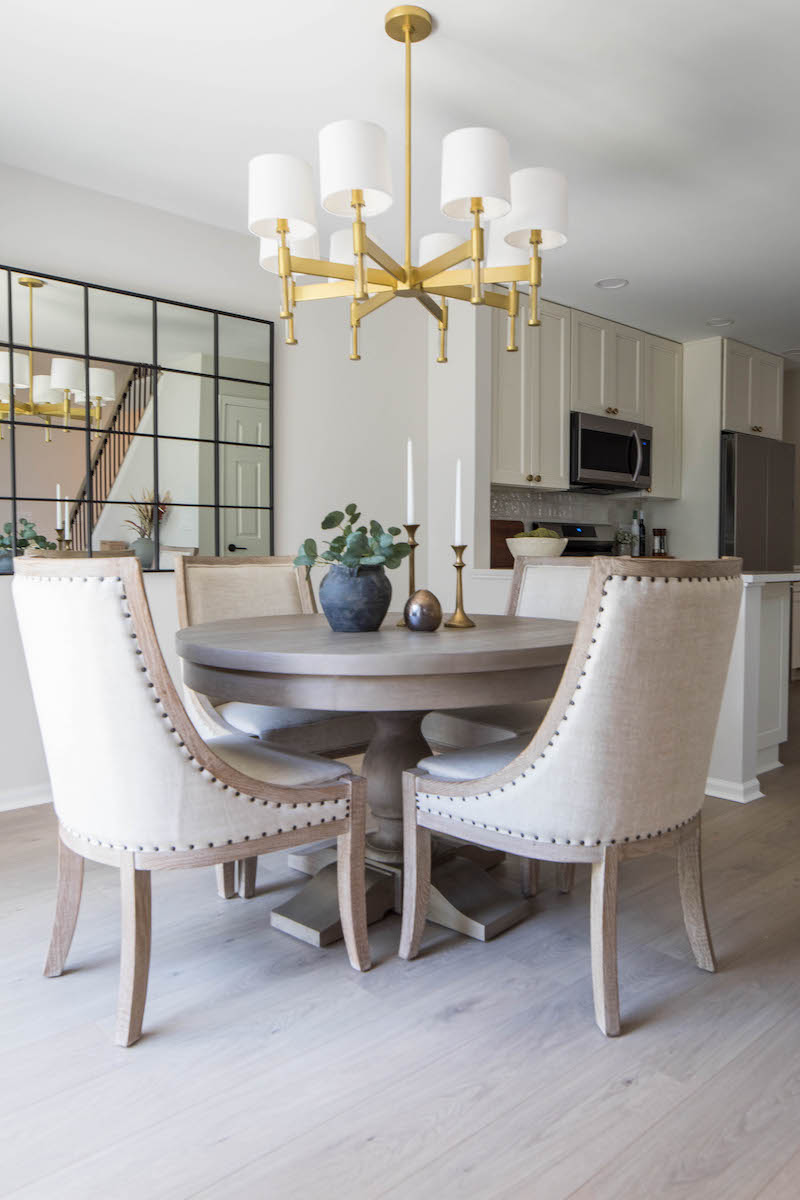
(565, 877)
(135, 951)
(351, 881)
(528, 876)
(690, 882)
(416, 873)
(226, 880)
(247, 868)
(68, 903)
(603, 921)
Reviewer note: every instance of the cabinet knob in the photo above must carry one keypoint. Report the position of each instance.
(537, 479)
(609, 410)
(757, 428)
(616, 410)
(529, 478)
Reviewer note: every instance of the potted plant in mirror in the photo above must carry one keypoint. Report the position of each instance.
(355, 591)
(27, 536)
(147, 512)
(541, 542)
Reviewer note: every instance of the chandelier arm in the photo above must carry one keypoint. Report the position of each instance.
(444, 262)
(365, 307)
(430, 304)
(451, 291)
(507, 274)
(462, 292)
(378, 255)
(329, 291)
(334, 270)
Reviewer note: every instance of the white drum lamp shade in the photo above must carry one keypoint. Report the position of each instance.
(303, 247)
(67, 374)
(102, 384)
(43, 391)
(281, 188)
(432, 245)
(500, 254)
(475, 162)
(538, 201)
(21, 372)
(352, 155)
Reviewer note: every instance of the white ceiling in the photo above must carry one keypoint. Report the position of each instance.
(677, 125)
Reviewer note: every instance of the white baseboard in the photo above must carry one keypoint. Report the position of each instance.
(733, 789)
(25, 797)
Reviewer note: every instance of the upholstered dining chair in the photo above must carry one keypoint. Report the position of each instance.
(617, 767)
(222, 589)
(136, 787)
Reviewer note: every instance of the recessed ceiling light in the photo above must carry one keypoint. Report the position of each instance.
(616, 281)
(720, 322)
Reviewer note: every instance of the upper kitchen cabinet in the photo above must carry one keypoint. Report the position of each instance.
(530, 400)
(608, 368)
(663, 373)
(752, 390)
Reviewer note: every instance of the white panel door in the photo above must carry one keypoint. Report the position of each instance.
(592, 373)
(629, 399)
(244, 478)
(766, 412)
(510, 407)
(550, 397)
(664, 404)
(737, 387)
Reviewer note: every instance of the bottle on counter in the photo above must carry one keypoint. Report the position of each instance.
(642, 536)
(635, 552)
(660, 543)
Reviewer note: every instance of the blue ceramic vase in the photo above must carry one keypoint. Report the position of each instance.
(355, 601)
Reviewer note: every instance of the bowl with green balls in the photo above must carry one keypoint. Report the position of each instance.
(537, 543)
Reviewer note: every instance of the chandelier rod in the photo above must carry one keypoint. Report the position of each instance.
(407, 29)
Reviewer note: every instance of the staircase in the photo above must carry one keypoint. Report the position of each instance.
(108, 452)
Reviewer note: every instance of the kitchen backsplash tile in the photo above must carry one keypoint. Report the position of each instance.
(526, 505)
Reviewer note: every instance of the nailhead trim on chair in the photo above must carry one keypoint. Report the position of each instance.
(183, 748)
(532, 766)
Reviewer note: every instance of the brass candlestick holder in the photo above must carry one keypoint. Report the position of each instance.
(411, 530)
(459, 619)
(63, 543)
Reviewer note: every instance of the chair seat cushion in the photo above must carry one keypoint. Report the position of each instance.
(280, 767)
(464, 727)
(259, 720)
(476, 761)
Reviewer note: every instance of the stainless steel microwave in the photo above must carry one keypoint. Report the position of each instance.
(608, 454)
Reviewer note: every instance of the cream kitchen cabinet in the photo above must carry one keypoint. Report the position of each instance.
(663, 375)
(531, 400)
(752, 390)
(608, 368)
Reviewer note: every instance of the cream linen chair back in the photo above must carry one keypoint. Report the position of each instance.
(124, 760)
(623, 751)
(222, 589)
(554, 590)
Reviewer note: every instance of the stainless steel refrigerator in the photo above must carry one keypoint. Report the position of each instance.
(756, 515)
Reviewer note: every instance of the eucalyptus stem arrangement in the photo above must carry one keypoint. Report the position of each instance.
(355, 545)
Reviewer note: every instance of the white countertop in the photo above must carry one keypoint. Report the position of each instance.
(757, 578)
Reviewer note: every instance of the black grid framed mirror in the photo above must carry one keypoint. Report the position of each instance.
(132, 420)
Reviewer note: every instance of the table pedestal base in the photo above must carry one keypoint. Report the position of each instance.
(312, 915)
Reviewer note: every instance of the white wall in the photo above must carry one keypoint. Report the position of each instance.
(340, 427)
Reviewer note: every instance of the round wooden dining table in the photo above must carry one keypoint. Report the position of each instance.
(397, 676)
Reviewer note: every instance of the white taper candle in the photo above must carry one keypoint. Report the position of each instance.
(410, 483)
(59, 520)
(457, 538)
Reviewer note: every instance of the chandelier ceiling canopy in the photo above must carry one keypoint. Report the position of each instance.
(526, 212)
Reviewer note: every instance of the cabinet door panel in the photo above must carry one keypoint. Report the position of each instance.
(550, 396)
(664, 402)
(592, 364)
(510, 410)
(629, 398)
(737, 388)
(767, 405)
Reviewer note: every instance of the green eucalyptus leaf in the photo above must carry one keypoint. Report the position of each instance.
(393, 530)
(375, 529)
(373, 560)
(310, 547)
(350, 509)
(332, 520)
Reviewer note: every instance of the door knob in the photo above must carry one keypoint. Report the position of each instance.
(231, 548)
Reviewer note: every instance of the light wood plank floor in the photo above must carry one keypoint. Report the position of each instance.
(269, 1069)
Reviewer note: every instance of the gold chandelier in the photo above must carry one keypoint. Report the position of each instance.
(60, 394)
(526, 211)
